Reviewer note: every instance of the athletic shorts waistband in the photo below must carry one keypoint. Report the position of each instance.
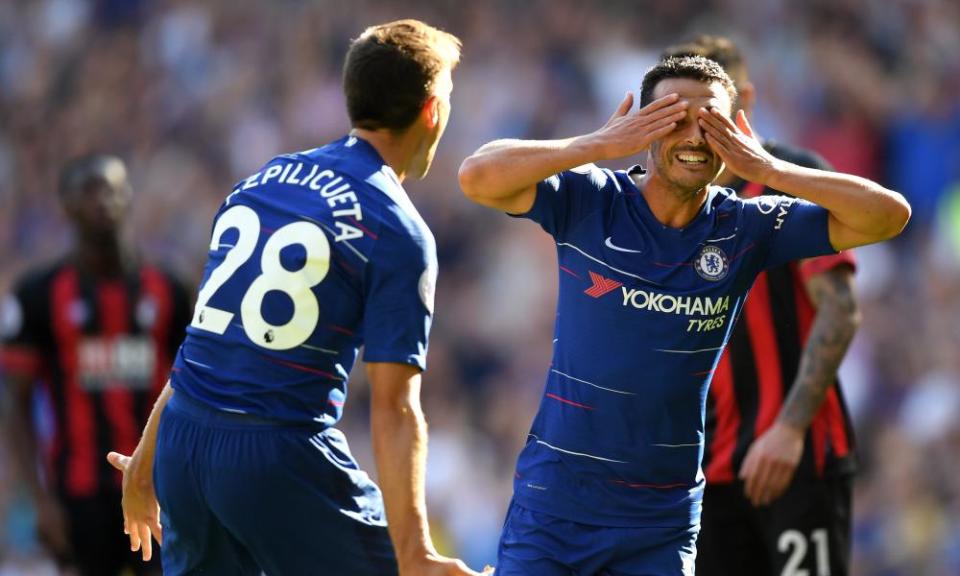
(191, 407)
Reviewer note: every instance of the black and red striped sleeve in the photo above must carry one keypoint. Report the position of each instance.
(24, 322)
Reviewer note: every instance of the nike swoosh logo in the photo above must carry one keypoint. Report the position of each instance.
(609, 244)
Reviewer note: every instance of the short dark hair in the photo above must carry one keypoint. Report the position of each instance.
(720, 49)
(78, 171)
(691, 67)
(390, 71)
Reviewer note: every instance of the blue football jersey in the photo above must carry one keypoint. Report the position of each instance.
(316, 254)
(644, 311)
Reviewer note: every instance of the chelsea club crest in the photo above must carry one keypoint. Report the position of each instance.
(711, 264)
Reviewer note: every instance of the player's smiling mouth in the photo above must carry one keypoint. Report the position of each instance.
(695, 160)
(692, 159)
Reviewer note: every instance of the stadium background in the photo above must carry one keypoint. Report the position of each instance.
(195, 95)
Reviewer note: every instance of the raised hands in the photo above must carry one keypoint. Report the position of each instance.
(626, 133)
(503, 174)
(736, 145)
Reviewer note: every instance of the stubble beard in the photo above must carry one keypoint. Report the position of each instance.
(683, 191)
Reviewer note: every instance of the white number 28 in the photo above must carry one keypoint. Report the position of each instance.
(296, 284)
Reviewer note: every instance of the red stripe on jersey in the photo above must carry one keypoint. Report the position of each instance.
(742, 252)
(724, 439)
(364, 229)
(80, 435)
(112, 302)
(805, 311)
(570, 402)
(570, 272)
(301, 367)
(343, 264)
(155, 285)
(763, 340)
(22, 360)
(812, 266)
(836, 424)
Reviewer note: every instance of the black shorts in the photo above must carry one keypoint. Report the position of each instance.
(100, 548)
(806, 531)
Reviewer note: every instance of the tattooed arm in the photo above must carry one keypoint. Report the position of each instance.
(835, 324)
(773, 458)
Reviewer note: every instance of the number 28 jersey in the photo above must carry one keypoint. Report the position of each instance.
(315, 255)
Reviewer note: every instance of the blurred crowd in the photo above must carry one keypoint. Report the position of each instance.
(195, 95)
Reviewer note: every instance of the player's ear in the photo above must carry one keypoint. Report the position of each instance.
(431, 112)
(746, 96)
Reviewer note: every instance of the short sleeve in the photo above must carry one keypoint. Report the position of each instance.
(398, 310)
(565, 198)
(21, 333)
(787, 229)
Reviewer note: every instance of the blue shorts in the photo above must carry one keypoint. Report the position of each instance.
(241, 495)
(536, 544)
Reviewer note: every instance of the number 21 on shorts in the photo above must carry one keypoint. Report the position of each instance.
(794, 543)
(296, 284)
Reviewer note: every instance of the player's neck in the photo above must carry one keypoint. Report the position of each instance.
(397, 150)
(104, 258)
(727, 179)
(670, 206)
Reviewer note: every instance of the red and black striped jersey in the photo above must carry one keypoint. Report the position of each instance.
(758, 368)
(103, 348)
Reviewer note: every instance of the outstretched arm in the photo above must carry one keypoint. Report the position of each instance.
(861, 211)
(400, 446)
(773, 458)
(503, 174)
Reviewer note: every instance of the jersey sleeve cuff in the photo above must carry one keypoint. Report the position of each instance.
(418, 360)
(533, 211)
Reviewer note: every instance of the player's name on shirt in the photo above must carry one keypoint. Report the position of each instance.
(331, 186)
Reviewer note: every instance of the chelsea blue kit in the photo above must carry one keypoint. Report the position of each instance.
(643, 314)
(315, 255)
